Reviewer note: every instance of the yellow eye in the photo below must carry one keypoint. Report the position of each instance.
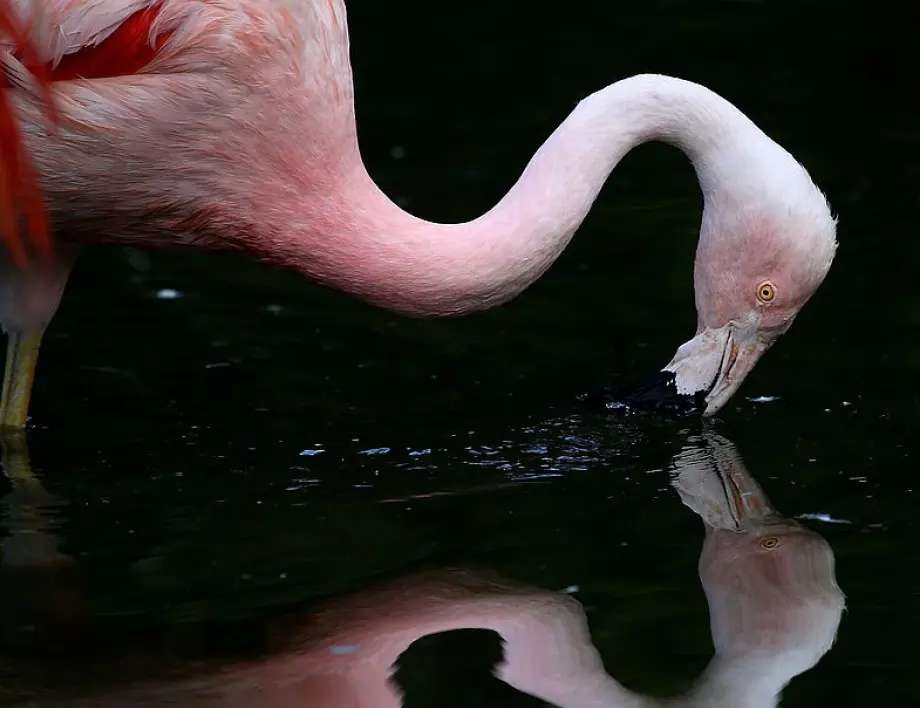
(766, 291)
(770, 543)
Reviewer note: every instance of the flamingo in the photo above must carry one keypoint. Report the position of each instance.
(230, 124)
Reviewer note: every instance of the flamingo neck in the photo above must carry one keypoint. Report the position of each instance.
(754, 682)
(360, 242)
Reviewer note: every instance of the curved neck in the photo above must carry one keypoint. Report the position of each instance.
(753, 682)
(425, 269)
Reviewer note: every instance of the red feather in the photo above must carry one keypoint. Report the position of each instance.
(124, 52)
(19, 186)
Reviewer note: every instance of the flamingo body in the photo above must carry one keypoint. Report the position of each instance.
(229, 124)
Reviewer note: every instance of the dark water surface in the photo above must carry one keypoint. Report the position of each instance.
(219, 447)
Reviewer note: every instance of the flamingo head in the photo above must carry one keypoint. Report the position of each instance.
(759, 260)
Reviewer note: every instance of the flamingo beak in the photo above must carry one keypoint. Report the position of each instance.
(703, 375)
(716, 362)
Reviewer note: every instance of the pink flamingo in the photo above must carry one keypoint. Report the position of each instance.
(230, 124)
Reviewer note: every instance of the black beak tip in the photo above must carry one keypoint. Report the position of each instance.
(656, 394)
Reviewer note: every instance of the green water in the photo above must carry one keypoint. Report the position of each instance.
(258, 443)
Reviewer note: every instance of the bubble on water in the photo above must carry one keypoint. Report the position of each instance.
(375, 451)
(826, 518)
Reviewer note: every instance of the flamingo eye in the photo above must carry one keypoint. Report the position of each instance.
(766, 291)
(769, 543)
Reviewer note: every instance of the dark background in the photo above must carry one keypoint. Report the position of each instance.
(174, 427)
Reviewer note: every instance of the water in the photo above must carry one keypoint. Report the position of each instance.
(220, 445)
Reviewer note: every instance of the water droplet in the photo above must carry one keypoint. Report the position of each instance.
(826, 518)
(345, 650)
(763, 399)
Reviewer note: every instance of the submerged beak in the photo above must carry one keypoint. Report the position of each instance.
(717, 360)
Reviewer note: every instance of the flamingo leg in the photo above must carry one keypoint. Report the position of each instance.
(28, 301)
(21, 359)
(14, 456)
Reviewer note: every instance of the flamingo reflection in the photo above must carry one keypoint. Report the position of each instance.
(40, 600)
(774, 603)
